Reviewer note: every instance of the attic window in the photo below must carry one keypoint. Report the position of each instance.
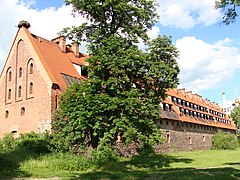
(10, 76)
(6, 114)
(20, 91)
(9, 94)
(31, 88)
(20, 72)
(31, 68)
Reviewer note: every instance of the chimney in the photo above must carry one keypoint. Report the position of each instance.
(207, 101)
(182, 91)
(61, 41)
(75, 49)
(189, 93)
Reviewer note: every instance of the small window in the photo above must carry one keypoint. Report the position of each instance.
(31, 88)
(14, 134)
(190, 140)
(168, 138)
(22, 111)
(6, 114)
(31, 68)
(10, 76)
(20, 91)
(9, 94)
(20, 72)
(204, 139)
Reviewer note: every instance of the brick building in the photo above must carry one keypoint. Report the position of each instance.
(37, 70)
(188, 122)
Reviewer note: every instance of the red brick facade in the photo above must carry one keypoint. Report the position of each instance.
(31, 81)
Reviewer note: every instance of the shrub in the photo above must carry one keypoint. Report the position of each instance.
(7, 143)
(223, 140)
(38, 143)
(103, 155)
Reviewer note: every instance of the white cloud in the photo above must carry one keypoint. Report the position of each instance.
(154, 32)
(188, 13)
(46, 23)
(205, 65)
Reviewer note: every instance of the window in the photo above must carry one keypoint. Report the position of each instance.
(190, 140)
(6, 114)
(31, 88)
(10, 76)
(22, 111)
(20, 91)
(9, 94)
(20, 72)
(31, 68)
(168, 138)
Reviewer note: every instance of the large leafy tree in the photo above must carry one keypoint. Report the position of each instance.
(235, 115)
(229, 8)
(125, 85)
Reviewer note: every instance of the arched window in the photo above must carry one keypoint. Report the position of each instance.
(20, 91)
(31, 68)
(31, 88)
(9, 94)
(6, 114)
(10, 76)
(22, 111)
(20, 72)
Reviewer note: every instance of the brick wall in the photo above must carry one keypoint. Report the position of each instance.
(29, 107)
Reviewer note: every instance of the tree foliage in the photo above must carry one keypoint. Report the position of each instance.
(229, 8)
(126, 84)
(224, 140)
(235, 114)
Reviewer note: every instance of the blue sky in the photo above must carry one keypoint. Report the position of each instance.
(209, 52)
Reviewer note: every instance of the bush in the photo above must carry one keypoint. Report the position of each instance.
(38, 143)
(7, 143)
(103, 155)
(223, 140)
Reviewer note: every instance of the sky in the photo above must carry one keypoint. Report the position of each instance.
(209, 51)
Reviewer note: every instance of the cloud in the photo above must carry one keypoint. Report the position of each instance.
(187, 14)
(204, 65)
(45, 23)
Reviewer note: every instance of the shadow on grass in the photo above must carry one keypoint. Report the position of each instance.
(175, 174)
(157, 167)
(10, 163)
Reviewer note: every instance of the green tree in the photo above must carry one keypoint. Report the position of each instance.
(235, 115)
(125, 85)
(229, 7)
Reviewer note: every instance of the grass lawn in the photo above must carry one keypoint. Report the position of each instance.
(212, 164)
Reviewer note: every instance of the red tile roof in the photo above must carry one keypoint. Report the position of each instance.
(197, 100)
(55, 61)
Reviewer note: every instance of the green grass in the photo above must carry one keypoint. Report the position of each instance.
(212, 164)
